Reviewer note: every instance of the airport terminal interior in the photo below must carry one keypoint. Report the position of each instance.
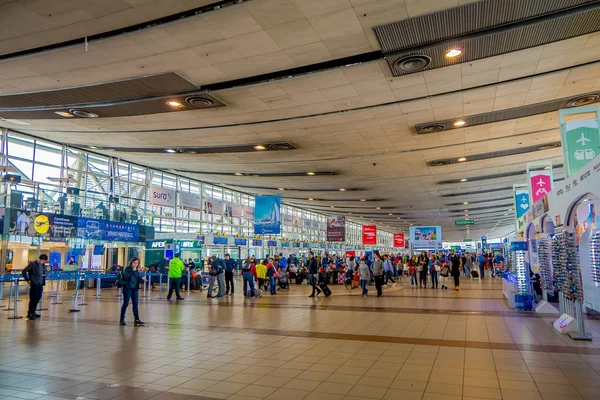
(300, 199)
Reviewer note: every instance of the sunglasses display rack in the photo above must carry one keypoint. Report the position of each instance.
(522, 273)
(595, 257)
(545, 261)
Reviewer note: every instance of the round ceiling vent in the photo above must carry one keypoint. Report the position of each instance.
(412, 63)
(280, 146)
(199, 101)
(431, 128)
(583, 100)
(83, 114)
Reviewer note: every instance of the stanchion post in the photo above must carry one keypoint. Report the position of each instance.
(56, 293)
(1, 292)
(149, 284)
(10, 289)
(188, 283)
(40, 307)
(98, 284)
(16, 300)
(74, 309)
(84, 290)
(160, 288)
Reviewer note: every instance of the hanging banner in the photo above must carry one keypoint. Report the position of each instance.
(427, 237)
(399, 240)
(267, 215)
(336, 229)
(235, 210)
(191, 201)
(521, 200)
(580, 138)
(160, 196)
(539, 180)
(306, 223)
(215, 207)
(369, 234)
(287, 220)
(297, 222)
(249, 213)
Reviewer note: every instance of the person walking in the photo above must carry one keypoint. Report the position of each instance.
(132, 279)
(444, 274)
(481, 260)
(468, 264)
(378, 273)
(230, 266)
(455, 268)
(434, 268)
(364, 275)
(313, 270)
(272, 275)
(219, 268)
(388, 267)
(176, 268)
(423, 267)
(33, 274)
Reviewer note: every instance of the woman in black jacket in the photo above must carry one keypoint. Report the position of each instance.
(132, 279)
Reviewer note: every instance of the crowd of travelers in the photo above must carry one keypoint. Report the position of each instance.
(275, 274)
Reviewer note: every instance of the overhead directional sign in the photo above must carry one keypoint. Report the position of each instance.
(464, 222)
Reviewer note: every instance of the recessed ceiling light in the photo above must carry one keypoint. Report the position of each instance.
(398, 218)
(363, 199)
(390, 214)
(460, 122)
(350, 213)
(310, 198)
(64, 114)
(466, 210)
(342, 190)
(452, 53)
(547, 167)
(281, 188)
(93, 147)
(462, 159)
(259, 147)
(466, 202)
(310, 173)
(239, 174)
(411, 224)
(378, 208)
(171, 150)
(463, 180)
(174, 103)
(332, 206)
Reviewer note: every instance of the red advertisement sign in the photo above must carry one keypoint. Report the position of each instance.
(369, 234)
(399, 240)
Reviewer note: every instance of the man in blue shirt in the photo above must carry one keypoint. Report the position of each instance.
(282, 262)
(230, 266)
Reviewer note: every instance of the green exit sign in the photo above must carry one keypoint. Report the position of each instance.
(464, 222)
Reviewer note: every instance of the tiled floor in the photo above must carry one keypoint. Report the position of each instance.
(410, 344)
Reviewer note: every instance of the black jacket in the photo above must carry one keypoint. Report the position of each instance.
(132, 278)
(312, 266)
(455, 265)
(34, 273)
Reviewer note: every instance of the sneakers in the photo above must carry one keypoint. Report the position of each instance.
(180, 298)
(137, 322)
(122, 323)
(312, 295)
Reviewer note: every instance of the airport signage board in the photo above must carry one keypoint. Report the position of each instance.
(464, 222)
(399, 240)
(336, 229)
(426, 237)
(191, 201)
(369, 234)
(160, 196)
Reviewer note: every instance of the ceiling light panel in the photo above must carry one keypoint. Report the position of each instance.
(484, 29)
(241, 148)
(510, 113)
(486, 177)
(495, 154)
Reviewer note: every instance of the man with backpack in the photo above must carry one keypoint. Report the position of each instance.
(219, 270)
(481, 260)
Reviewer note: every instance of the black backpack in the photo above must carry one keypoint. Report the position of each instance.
(120, 281)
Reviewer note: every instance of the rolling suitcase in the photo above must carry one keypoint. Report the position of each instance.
(474, 274)
(257, 292)
(325, 289)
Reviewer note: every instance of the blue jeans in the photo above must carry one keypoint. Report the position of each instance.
(389, 276)
(313, 283)
(248, 279)
(413, 279)
(273, 285)
(434, 279)
(133, 295)
(363, 285)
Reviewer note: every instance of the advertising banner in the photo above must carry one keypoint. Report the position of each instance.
(191, 201)
(539, 181)
(314, 225)
(56, 226)
(249, 212)
(369, 234)
(267, 215)
(162, 196)
(521, 200)
(235, 210)
(580, 138)
(426, 237)
(287, 220)
(336, 229)
(399, 240)
(215, 207)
